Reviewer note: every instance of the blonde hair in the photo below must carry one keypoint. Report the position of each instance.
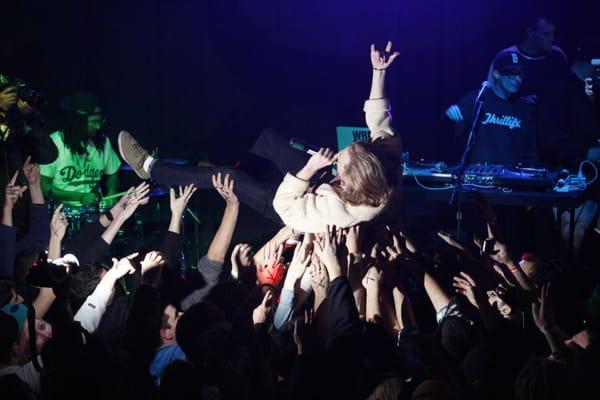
(365, 177)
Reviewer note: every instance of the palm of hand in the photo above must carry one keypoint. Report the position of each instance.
(59, 224)
(11, 194)
(178, 205)
(225, 188)
(318, 277)
(32, 173)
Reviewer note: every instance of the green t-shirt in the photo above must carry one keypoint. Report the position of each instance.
(80, 173)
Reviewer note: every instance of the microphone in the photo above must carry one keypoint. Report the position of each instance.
(303, 146)
(484, 86)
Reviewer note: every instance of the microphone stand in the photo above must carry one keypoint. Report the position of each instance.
(471, 139)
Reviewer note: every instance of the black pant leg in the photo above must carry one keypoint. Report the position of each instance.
(251, 191)
(275, 147)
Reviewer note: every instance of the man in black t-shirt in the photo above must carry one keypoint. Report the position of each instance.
(505, 133)
(544, 64)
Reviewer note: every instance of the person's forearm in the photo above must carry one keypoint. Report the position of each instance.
(399, 298)
(320, 296)
(556, 339)
(518, 274)
(220, 243)
(373, 311)
(359, 300)
(54, 247)
(175, 223)
(43, 301)
(290, 282)
(334, 271)
(436, 294)
(7, 217)
(92, 310)
(35, 192)
(306, 173)
(377, 85)
(110, 233)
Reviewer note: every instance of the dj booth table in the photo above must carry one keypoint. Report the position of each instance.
(563, 202)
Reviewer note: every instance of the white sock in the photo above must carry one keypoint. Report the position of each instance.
(148, 163)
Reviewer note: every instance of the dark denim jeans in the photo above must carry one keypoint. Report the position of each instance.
(256, 193)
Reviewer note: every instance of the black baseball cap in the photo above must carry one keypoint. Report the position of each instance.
(81, 102)
(508, 63)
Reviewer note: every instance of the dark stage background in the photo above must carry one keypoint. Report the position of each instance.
(192, 76)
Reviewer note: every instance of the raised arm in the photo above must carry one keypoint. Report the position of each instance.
(380, 61)
(12, 194)
(94, 306)
(133, 201)
(178, 206)
(34, 181)
(58, 228)
(171, 245)
(377, 108)
(8, 234)
(222, 239)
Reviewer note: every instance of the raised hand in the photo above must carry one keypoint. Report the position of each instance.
(498, 302)
(382, 60)
(133, 202)
(122, 267)
(13, 192)
(353, 240)
(325, 249)
(32, 172)
(269, 270)
(319, 280)
(394, 251)
(225, 188)
(241, 256)
(466, 286)
(140, 191)
(300, 261)
(178, 204)
(262, 312)
(542, 311)
(152, 260)
(58, 223)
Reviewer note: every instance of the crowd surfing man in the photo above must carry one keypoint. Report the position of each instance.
(367, 172)
(84, 155)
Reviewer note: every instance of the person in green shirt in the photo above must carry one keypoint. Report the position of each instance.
(85, 155)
